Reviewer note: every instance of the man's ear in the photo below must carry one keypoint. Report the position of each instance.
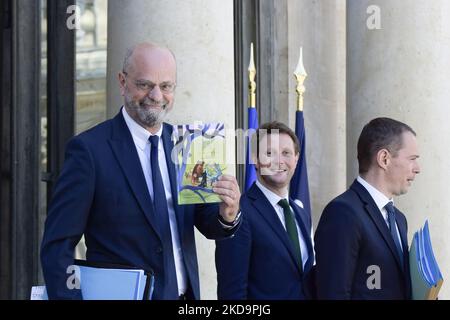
(122, 83)
(383, 158)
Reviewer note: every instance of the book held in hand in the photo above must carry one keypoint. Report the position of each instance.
(200, 159)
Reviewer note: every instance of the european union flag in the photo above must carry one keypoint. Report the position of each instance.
(299, 189)
(250, 171)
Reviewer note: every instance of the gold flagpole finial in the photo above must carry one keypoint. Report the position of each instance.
(300, 76)
(251, 78)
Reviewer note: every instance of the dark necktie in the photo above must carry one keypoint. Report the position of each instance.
(162, 218)
(291, 229)
(391, 219)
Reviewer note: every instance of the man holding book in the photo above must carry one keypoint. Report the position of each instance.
(118, 188)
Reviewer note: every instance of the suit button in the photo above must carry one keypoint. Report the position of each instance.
(159, 250)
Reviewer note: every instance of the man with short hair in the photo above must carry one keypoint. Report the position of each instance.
(271, 255)
(361, 241)
(118, 188)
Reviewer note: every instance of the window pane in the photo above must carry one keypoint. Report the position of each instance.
(90, 72)
(91, 64)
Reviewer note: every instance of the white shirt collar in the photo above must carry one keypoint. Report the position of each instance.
(140, 134)
(380, 199)
(270, 195)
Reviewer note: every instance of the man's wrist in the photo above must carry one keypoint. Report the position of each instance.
(230, 225)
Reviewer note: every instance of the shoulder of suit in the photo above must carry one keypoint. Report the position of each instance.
(168, 127)
(246, 202)
(343, 214)
(348, 196)
(253, 193)
(345, 204)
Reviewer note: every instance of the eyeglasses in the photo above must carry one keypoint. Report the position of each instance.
(148, 86)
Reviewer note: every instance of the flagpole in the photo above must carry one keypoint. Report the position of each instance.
(299, 186)
(251, 78)
(300, 76)
(250, 171)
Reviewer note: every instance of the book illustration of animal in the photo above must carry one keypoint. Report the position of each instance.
(197, 173)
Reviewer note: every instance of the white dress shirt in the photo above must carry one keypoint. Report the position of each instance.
(274, 199)
(380, 200)
(140, 137)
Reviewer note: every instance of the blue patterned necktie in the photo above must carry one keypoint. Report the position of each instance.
(162, 215)
(291, 228)
(391, 219)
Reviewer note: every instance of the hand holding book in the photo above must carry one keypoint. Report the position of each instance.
(228, 190)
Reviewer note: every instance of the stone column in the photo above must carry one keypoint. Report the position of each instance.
(402, 70)
(200, 33)
(319, 27)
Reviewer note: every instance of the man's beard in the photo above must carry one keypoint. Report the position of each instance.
(147, 116)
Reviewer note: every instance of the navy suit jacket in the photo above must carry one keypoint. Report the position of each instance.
(102, 193)
(352, 235)
(259, 261)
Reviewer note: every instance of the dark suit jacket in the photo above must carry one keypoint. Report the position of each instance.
(102, 193)
(259, 261)
(351, 236)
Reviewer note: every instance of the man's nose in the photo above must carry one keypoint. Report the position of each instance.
(281, 160)
(155, 94)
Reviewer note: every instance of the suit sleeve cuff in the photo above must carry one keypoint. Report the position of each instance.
(230, 225)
